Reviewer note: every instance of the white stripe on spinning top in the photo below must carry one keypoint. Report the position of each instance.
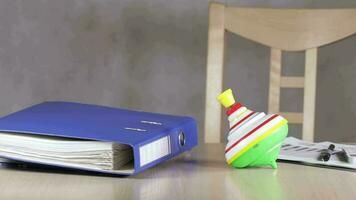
(239, 133)
(248, 125)
(237, 119)
(252, 117)
(237, 113)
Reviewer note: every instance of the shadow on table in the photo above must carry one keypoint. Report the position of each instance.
(26, 167)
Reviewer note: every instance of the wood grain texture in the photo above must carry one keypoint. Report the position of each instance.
(293, 117)
(214, 76)
(274, 80)
(291, 29)
(309, 94)
(292, 82)
(200, 174)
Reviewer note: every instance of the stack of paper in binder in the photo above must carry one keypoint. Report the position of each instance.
(94, 138)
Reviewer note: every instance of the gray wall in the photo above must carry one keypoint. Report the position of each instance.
(151, 55)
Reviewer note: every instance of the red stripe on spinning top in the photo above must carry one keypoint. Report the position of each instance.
(239, 122)
(252, 131)
(233, 109)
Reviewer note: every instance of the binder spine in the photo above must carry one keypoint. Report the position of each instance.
(165, 146)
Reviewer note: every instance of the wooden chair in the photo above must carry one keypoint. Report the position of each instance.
(282, 30)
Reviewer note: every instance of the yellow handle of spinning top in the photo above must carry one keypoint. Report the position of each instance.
(226, 98)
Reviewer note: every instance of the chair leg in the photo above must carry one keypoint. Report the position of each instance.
(309, 94)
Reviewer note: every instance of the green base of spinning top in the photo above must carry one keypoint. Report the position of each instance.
(263, 153)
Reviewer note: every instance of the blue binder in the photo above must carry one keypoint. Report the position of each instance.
(135, 128)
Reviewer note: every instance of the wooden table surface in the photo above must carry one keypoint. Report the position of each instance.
(200, 174)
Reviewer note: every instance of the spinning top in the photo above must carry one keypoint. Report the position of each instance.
(254, 138)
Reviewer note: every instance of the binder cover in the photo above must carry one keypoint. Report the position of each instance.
(165, 136)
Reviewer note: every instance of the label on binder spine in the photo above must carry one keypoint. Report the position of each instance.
(155, 150)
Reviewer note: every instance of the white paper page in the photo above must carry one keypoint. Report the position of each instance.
(298, 150)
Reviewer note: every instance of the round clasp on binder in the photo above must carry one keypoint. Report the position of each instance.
(181, 139)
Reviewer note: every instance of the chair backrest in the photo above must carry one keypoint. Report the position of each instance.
(282, 30)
